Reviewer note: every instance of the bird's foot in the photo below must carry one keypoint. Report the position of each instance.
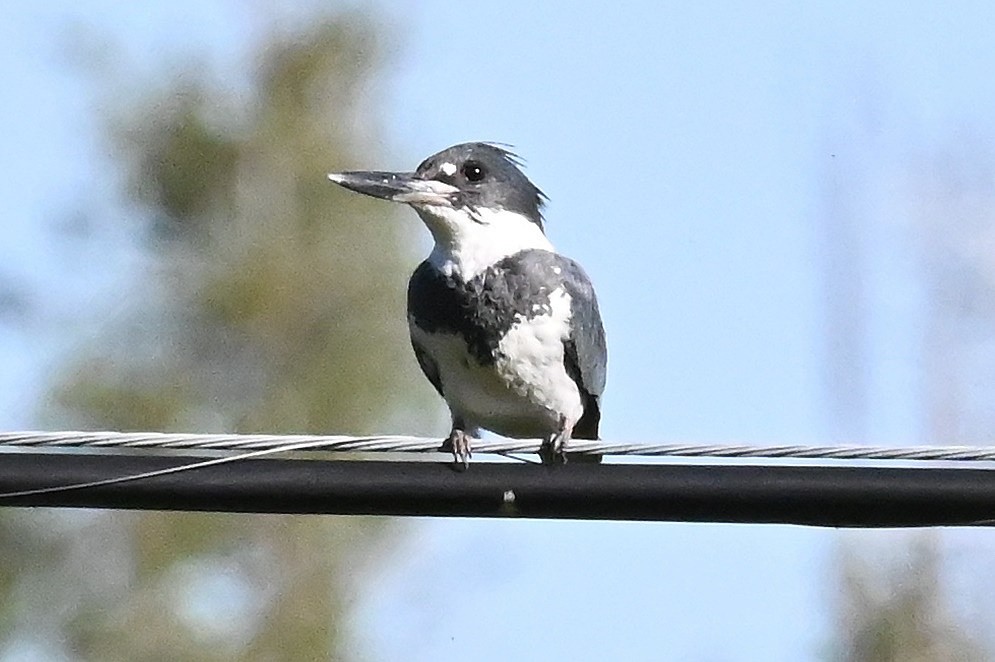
(458, 443)
(553, 448)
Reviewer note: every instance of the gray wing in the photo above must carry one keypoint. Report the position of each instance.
(588, 333)
(428, 366)
(585, 351)
(425, 289)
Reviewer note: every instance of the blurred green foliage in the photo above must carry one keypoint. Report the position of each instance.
(899, 603)
(895, 609)
(273, 302)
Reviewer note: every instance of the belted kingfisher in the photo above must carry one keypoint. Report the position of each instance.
(507, 330)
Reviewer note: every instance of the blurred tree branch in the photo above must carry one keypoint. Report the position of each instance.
(274, 303)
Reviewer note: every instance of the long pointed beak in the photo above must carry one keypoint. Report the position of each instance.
(402, 187)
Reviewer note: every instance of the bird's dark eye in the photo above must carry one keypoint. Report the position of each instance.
(473, 171)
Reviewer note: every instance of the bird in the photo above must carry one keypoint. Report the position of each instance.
(506, 329)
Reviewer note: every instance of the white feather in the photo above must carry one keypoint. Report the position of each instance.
(466, 242)
(527, 388)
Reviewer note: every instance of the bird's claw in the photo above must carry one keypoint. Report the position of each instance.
(458, 443)
(552, 450)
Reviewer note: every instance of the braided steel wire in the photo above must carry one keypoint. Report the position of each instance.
(270, 443)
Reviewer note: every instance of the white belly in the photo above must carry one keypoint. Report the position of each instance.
(525, 391)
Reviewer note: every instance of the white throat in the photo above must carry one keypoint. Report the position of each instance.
(466, 246)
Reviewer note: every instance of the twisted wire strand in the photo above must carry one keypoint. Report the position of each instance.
(409, 444)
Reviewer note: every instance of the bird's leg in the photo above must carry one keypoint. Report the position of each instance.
(458, 443)
(553, 449)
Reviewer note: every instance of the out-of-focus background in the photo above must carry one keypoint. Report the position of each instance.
(788, 210)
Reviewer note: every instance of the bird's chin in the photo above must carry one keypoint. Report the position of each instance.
(443, 221)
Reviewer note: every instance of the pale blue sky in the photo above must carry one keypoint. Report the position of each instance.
(687, 150)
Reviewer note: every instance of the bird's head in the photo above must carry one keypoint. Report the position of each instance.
(468, 195)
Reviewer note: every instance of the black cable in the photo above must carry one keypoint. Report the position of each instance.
(813, 495)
